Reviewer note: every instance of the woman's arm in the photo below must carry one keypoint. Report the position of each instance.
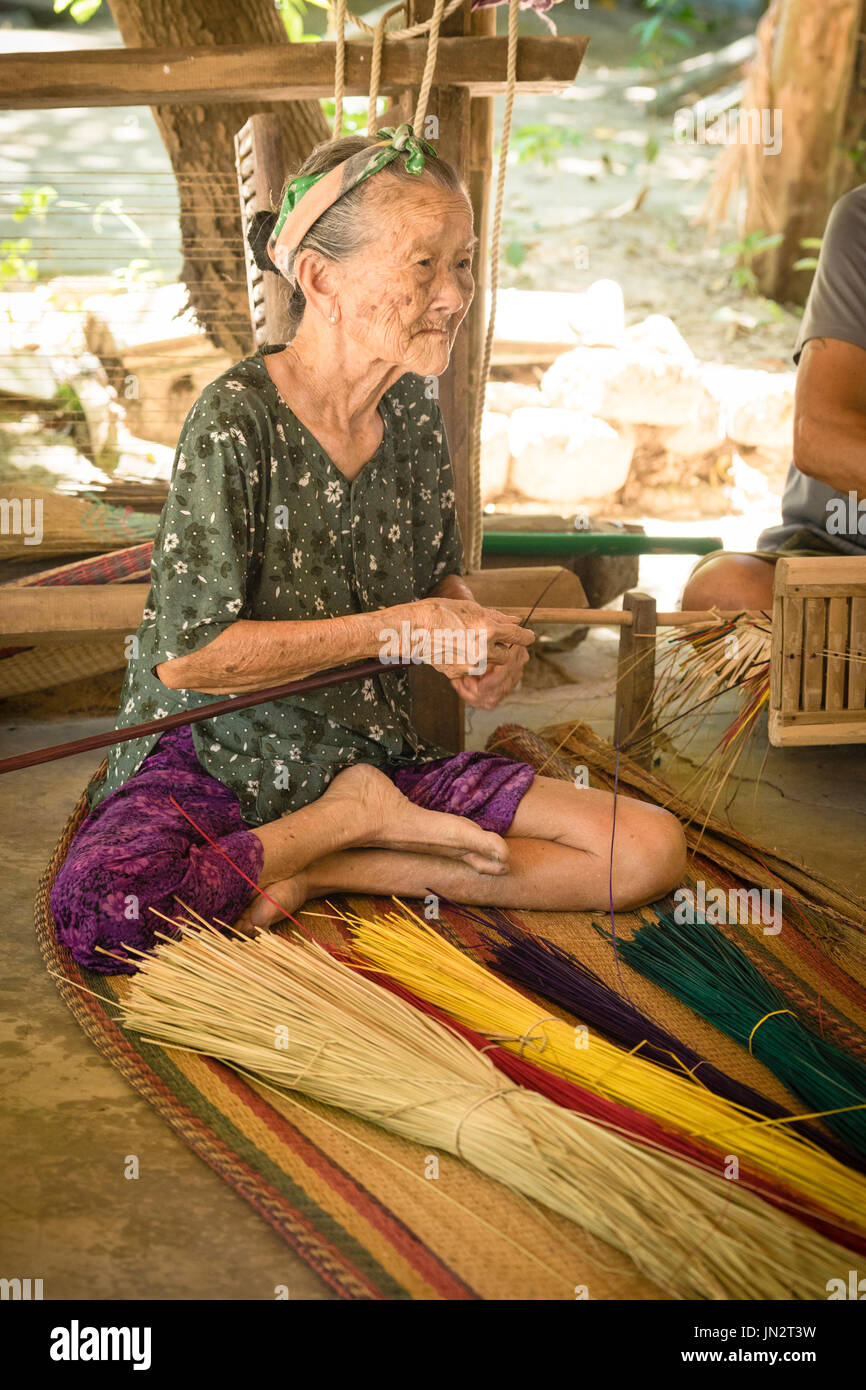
(254, 655)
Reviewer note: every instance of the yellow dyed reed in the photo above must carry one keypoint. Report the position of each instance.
(411, 952)
(287, 1012)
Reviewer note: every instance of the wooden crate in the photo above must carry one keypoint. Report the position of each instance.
(818, 665)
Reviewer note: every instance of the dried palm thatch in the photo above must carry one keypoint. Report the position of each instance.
(287, 1012)
(741, 163)
(695, 666)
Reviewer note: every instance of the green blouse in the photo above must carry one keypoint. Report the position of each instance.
(260, 524)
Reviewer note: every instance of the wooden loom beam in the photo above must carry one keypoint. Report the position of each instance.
(82, 611)
(278, 72)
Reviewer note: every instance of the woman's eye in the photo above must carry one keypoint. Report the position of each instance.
(426, 262)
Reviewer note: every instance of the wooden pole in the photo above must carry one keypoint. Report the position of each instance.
(633, 709)
(67, 613)
(278, 72)
(258, 157)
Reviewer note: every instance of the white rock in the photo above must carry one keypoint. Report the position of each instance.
(140, 316)
(549, 316)
(635, 385)
(756, 408)
(495, 456)
(657, 333)
(505, 396)
(567, 456)
(599, 318)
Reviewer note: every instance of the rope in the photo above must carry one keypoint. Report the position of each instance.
(432, 26)
(429, 68)
(376, 66)
(414, 31)
(476, 522)
(339, 68)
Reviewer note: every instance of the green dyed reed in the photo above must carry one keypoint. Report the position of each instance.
(700, 966)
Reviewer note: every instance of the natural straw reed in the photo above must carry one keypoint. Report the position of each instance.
(285, 1011)
(410, 951)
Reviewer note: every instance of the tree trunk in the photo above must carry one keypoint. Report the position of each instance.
(813, 75)
(200, 144)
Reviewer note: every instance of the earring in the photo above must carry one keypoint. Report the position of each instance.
(332, 319)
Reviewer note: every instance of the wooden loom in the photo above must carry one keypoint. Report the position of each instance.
(818, 657)
(465, 138)
(471, 68)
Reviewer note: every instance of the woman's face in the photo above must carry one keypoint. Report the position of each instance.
(403, 297)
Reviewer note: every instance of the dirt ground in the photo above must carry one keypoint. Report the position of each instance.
(663, 258)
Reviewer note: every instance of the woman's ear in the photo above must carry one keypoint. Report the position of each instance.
(315, 277)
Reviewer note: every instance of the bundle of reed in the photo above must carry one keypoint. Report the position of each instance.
(632, 1124)
(710, 974)
(546, 969)
(409, 950)
(288, 1013)
(695, 666)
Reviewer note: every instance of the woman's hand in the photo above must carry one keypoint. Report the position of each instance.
(464, 640)
(485, 692)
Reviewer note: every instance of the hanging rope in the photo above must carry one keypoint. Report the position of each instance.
(429, 68)
(432, 26)
(476, 521)
(340, 14)
(376, 65)
(339, 68)
(414, 31)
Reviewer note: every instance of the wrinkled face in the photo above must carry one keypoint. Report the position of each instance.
(403, 297)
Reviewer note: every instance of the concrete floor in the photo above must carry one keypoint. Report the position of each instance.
(69, 1120)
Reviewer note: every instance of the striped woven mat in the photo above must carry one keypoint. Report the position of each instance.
(377, 1216)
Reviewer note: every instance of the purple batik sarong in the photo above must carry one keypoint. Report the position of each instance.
(137, 852)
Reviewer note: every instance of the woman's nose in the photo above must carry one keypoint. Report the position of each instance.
(449, 295)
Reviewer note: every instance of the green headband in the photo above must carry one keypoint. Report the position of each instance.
(294, 221)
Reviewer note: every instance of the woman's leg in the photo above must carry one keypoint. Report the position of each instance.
(363, 807)
(138, 856)
(559, 858)
(730, 580)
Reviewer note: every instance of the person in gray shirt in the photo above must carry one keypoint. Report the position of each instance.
(824, 501)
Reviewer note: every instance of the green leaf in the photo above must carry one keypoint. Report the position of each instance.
(811, 243)
(516, 253)
(82, 10)
(806, 263)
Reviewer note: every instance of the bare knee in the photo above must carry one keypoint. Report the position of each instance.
(649, 858)
(730, 581)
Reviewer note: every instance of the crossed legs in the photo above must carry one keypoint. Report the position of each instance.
(556, 855)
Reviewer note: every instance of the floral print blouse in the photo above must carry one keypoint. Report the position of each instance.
(260, 524)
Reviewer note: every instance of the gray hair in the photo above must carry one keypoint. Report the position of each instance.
(343, 229)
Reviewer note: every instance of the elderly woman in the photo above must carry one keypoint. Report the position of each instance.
(311, 510)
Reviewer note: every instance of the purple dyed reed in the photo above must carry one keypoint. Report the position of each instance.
(543, 967)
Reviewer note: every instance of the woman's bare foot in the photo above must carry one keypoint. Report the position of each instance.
(362, 809)
(386, 819)
(288, 894)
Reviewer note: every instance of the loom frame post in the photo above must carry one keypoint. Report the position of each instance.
(636, 670)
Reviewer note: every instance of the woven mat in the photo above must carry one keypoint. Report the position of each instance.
(358, 1204)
